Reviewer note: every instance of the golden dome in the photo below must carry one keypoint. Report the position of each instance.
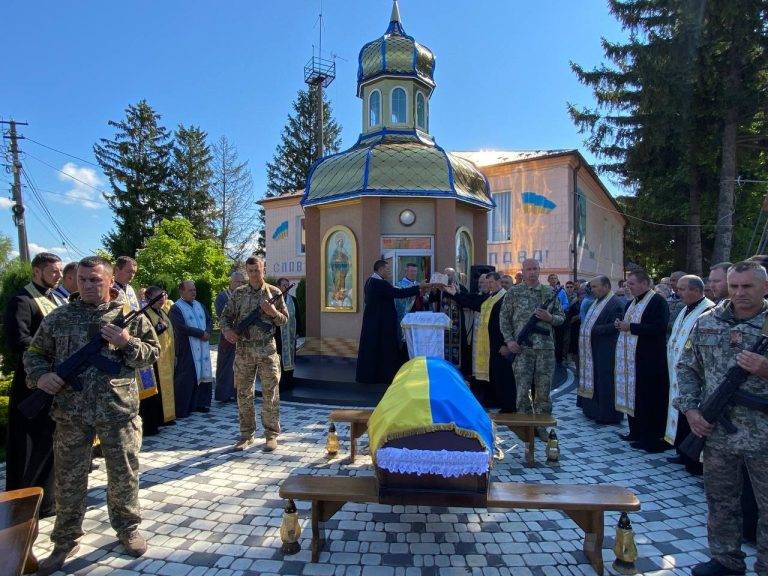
(395, 54)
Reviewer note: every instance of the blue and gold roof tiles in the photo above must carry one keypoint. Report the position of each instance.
(395, 54)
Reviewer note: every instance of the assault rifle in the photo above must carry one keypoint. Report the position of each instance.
(254, 318)
(531, 327)
(89, 355)
(713, 409)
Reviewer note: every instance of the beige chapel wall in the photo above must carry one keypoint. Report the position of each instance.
(390, 216)
(283, 254)
(544, 234)
(344, 324)
(603, 252)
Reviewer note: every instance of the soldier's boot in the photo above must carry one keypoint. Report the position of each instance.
(714, 568)
(134, 543)
(270, 445)
(55, 561)
(244, 443)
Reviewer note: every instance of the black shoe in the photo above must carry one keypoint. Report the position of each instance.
(714, 568)
(676, 459)
(171, 423)
(695, 468)
(204, 410)
(627, 437)
(651, 447)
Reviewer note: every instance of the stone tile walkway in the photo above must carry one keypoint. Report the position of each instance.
(209, 511)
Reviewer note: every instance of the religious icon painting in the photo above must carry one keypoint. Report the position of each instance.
(339, 265)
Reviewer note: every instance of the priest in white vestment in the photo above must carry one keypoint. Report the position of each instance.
(691, 291)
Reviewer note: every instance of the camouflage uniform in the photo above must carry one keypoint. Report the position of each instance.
(256, 355)
(107, 406)
(535, 366)
(710, 352)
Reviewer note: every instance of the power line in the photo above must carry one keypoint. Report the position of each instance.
(83, 182)
(652, 222)
(65, 239)
(64, 153)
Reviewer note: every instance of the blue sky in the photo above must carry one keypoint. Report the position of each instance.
(233, 67)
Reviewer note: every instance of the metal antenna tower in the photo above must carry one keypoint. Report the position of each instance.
(319, 72)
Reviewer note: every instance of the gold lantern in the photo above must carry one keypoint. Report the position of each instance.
(553, 447)
(332, 442)
(290, 529)
(625, 548)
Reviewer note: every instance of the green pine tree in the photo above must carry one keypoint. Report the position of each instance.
(288, 170)
(658, 123)
(191, 176)
(137, 162)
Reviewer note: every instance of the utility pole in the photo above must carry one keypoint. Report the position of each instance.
(18, 207)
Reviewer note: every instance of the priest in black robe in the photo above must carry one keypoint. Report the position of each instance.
(496, 389)
(378, 359)
(29, 445)
(597, 348)
(642, 380)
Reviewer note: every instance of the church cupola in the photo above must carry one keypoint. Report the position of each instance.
(395, 81)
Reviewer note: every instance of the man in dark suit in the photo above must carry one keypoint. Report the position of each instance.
(377, 356)
(29, 460)
(597, 349)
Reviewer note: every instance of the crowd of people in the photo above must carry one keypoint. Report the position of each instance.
(652, 352)
(155, 368)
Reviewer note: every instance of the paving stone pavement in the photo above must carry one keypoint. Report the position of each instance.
(209, 511)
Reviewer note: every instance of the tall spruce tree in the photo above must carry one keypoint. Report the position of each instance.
(658, 128)
(137, 162)
(287, 172)
(232, 190)
(191, 180)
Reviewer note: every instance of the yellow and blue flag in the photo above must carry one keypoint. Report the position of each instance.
(426, 395)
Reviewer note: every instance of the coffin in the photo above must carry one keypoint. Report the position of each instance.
(430, 436)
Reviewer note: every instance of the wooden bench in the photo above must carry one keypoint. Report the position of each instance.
(18, 529)
(585, 504)
(523, 425)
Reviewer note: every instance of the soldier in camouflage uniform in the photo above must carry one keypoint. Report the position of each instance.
(256, 353)
(720, 340)
(108, 405)
(535, 365)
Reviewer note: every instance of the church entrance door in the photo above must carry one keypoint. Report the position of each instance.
(400, 251)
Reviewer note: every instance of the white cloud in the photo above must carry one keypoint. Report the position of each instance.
(6, 202)
(35, 249)
(82, 191)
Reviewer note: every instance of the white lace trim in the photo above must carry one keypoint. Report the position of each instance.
(442, 462)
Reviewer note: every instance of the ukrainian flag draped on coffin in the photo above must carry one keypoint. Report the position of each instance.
(429, 395)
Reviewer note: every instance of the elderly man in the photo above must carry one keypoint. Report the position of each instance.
(192, 331)
(534, 367)
(642, 380)
(29, 459)
(108, 405)
(720, 340)
(494, 381)
(691, 291)
(597, 347)
(225, 360)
